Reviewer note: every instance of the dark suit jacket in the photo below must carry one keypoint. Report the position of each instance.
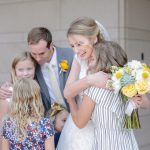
(62, 53)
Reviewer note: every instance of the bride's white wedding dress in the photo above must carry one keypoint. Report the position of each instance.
(73, 138)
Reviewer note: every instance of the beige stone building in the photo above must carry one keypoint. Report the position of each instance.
(127, 21)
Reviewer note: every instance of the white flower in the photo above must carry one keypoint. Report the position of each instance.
(117, 75)
(142, 74)
(134, 64)
(138, 75)
(116, 86)
(133, 73)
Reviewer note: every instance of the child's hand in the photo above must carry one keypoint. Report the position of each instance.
(60, 120)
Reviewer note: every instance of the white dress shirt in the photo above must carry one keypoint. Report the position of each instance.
(46, 76)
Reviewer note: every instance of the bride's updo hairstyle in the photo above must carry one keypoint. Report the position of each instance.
(86, 27)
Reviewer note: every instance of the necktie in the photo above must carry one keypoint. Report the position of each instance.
(55, 86)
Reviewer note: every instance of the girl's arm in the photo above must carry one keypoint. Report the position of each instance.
(5, 144)
(74, 85)
(49, 143)
(81, 115)
(4, 105)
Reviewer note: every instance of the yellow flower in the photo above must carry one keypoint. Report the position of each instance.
(118, 74)
(142, 86)
(129, 90)
(146, 68)
(145, 74)
(64, 65)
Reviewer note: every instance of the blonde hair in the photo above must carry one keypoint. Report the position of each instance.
(109, 54)
(21, 57)
(26, 106)
(86, 27)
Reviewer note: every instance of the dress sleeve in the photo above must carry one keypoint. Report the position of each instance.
(95, 93)
(48, 128)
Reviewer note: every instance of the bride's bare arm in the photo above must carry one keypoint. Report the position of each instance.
(80, 115)
(74, 85)
(98, 79)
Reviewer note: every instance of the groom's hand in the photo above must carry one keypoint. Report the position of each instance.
(4, 91)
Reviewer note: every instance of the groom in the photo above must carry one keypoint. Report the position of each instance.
(46, 54)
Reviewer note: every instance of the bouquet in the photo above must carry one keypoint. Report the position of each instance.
(131, 80)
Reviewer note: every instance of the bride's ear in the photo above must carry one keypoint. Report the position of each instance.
(95, 40)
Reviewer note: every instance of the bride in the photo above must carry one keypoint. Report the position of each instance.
(82, 34)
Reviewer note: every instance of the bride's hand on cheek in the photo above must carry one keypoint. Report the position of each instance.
(98, 79)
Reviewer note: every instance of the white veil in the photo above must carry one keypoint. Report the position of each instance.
(103, 31)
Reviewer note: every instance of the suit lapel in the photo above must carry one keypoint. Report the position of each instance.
(41, 81)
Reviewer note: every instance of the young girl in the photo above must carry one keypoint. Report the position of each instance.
(25, 127)
(23, 66)
(106, 109)
(59, 115)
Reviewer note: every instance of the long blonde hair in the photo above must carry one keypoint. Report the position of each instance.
(86, 27)
(26, 106)
(108, 54)
(20, 57)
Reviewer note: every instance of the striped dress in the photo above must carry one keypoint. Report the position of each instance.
(108, 118)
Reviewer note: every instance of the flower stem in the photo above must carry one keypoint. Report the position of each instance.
(132, 122)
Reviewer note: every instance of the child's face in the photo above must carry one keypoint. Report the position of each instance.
(61, 117)
(81, 45)
(25, 69)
